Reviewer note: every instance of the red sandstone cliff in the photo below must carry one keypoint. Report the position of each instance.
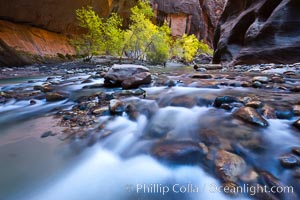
(55, 21)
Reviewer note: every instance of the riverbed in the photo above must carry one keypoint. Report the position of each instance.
(180, 137)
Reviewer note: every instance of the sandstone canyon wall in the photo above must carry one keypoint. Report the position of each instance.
(31, 30)
(37, 31)
(258, 31)
(199, 17)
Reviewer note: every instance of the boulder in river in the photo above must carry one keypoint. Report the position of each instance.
(127, 76)
(137, 80)
(179, 152)
(229, 166)
(250, 115)
(55, 96)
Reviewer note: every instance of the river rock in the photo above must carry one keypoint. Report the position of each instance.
(262, 79)
(225, 99)
(284, 114)
(55, 96)
(250, 115)
(99, 111)
(179, 152)
(182, 101)
(44, 88)
(47, 134)
(116, 106)
(296, 110)
(297, 124)
(295, 89)
(269, 112)
(131, 75)
(296, 151)
(229, 166)
(269, 180)
(257, 84)
(202, 76)
(209, 137)
(289, 161)
(144, 106)
(32, 102)
(137, 80)
(132, 112)
(254, 104)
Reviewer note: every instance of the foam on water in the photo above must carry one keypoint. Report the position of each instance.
(103, 175)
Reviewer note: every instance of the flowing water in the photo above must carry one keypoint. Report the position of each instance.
(35, 168)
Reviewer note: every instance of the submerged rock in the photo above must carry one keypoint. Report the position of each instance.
(269, 112)
(47, 134)
(179, 152)
(229, 166)
(250, 115)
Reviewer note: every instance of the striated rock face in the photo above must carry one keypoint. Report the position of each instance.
(197, 17)
(48, 17)
(188, 16)
(258, 31)
(53, 15)
(20, 44)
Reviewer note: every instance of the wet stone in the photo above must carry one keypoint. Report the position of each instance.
(47, 134)
(261, 79)
(179, 152)
(296, 151)
(269, 112)
(284, 114)
(250, 115)
(32, 102)
(289, 161)
(202, 76)
(56, 96)
(296, 110)
(116, 106)
(257, 84)
(297, 124)
(209, 137)
(295, 89)
(229, 166)
(225, 99)
(254, 104)
(226, 106)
